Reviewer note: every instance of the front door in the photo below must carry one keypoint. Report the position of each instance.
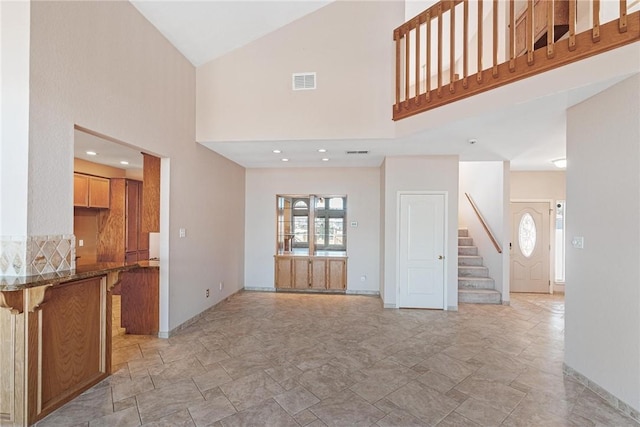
(530, 250)
(421, 262)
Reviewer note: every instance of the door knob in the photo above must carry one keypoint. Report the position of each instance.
(440, 257)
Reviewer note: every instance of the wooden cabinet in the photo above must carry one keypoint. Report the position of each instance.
(336, 274)
(90, 191)
(136, 241)
(310, 273)
(120, 235)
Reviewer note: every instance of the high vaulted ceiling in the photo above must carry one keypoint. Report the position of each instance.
(529, 133)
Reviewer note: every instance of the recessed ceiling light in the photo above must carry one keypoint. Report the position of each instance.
(325, 159)
(124, 162)
(285, 160)
(560, 163)
(92, 153)
(322, 150)
(277, 151)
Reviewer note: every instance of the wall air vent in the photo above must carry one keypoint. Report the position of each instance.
(303, 81)
(357, 151)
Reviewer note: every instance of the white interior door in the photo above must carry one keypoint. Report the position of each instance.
(530, 250)
(421, 263)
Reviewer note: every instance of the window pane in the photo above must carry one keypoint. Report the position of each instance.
(336, 203)
(300, 229)
(320, 224)
(300, 204)
(320, 203)
(527, 234)
(336, 231)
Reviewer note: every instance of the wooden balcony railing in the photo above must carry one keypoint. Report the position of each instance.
(542, 35)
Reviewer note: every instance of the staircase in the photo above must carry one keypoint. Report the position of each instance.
(474, 284)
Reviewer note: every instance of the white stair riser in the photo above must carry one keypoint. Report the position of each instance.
(463, 232)
(467, 250)
(475, 283)
(469, 260)
(473, 271)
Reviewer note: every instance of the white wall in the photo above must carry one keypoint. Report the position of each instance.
(360, 185)
(14, 117)
(247, 95)
(103, 66)
(487, 183)
(542, 185)
(420, 173)
(603, 279)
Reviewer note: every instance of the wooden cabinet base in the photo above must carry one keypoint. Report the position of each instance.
(311, 273)
(55, 343)
(140, 301)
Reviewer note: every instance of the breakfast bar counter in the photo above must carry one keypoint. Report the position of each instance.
(55, 333)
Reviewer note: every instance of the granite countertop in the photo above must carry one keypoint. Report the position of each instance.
(10, 283)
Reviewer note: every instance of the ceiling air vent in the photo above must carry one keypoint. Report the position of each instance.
(357, 151)
(304, 81)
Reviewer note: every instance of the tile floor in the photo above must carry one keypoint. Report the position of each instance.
(277, 359)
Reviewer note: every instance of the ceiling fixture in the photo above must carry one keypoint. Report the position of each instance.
(285, 160)
(124, 162)
(322, 150)
(92, 153)
(277, 151)
(325, 159)
(560, 163)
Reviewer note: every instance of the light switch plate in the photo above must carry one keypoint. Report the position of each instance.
(183, 232)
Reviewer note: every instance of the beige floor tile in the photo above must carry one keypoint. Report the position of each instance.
(296, 400)
(208, 412)
(268, 413)
(251, 390)
(481, 413)
(351, 361)
(423, 403)
(126, 418)
(493, 393)
(215, 376)
(156, 404)
(347, 409)
(131, 388)
(180, 418)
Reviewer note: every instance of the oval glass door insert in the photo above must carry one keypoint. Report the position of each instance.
(527, 234)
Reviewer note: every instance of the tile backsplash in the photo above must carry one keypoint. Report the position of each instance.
(33, 255)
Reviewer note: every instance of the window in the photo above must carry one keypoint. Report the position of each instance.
(329, 223)
(300, 223)
(317, 222)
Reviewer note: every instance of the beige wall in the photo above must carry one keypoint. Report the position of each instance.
(532, 185)
(420, 173)
(246, 94)
(360, 185)
(90, 168)
(603, 279)
(102, 66)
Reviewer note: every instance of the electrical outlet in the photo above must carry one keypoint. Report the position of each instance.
(206, 293)
(81, 243)
(221, 285)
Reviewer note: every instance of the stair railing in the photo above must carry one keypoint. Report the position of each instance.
(492, 237)
(514, 45)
